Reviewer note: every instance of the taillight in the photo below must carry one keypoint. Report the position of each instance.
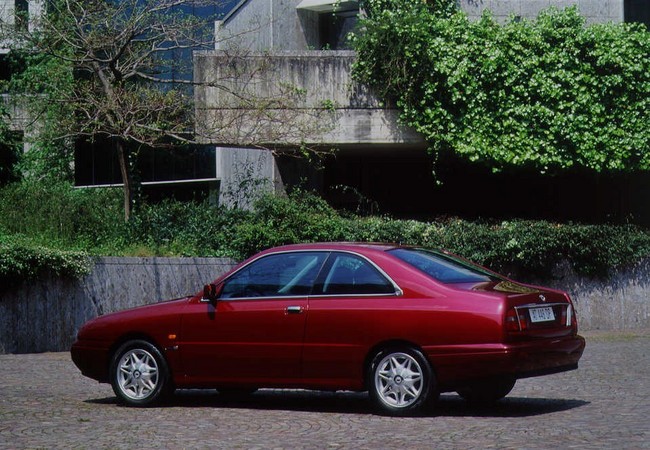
(512, 324)
(516, 320)
(571, 318)
(574, 321)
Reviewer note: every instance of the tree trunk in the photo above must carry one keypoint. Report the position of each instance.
(125, 170)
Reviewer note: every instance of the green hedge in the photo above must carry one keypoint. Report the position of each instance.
(524, 248)
(55, 227)
(21, 261)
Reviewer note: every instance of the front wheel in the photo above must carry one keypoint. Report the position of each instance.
(139, 374)
(400, 380)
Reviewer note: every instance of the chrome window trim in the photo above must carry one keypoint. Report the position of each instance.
(398, 292)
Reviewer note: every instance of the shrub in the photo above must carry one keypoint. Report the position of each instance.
(522, 248)
(57, 215)
(21, 261)
(301, 217)
(40, 225)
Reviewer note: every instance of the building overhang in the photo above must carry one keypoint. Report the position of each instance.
(328, 5)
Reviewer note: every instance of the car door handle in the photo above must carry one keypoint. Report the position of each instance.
(294, 309)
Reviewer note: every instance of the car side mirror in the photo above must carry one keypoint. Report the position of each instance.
(211, 292)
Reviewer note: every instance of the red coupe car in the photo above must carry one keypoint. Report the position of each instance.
(403, 323)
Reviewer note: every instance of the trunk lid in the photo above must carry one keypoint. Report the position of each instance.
(534, 312)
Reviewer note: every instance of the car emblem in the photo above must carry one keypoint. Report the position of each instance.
(542, 298)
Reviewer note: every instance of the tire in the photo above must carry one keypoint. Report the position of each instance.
(139, 374)
(400, 380)
(487, 391)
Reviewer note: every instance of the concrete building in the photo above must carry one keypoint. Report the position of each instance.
(20, 14)
(592, 10)
(292, 57)
(380, 165)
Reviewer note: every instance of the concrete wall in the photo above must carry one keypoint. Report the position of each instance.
(595, 11)
(18, 117)
(8, 14)
(620, 302)
(244, 174)
(310, 97)
(266, 25)
(276, 25)
(45, 315)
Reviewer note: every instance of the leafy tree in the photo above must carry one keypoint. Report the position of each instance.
(120, 70)
(103, 70)
(550, 94)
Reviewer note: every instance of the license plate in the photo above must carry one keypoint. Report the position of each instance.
(541, 314)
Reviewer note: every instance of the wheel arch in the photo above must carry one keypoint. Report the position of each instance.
(134, 336)
(392, 343)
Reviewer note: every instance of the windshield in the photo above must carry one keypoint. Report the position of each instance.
(443, 267)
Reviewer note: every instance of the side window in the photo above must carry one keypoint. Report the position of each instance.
(350, 274)
(285, 274)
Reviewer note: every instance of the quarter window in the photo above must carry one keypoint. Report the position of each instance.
(442, 267)
(281, 275)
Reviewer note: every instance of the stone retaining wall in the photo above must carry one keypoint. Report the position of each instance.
(619, 302)
(46, 314)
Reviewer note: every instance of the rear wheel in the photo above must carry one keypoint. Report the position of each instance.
(487, 391)
(139, 374)
(400, 380)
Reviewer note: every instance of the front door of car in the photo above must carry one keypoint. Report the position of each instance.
(253, 333)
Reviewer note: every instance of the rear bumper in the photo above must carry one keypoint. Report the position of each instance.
(91, 358)
(517, 360)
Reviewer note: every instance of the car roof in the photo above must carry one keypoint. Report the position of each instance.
(332, 246)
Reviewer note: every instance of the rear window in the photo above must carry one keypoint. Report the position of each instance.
(442, 267)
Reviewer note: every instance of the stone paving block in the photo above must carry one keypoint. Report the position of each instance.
(46, 403)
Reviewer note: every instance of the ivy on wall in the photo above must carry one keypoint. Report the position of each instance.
(550, 94)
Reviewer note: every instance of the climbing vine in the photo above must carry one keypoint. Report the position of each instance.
(550, 94)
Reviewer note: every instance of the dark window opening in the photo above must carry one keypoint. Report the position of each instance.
(637, 11)
(174, 170)
(334, 29)
(407, 184)
(11, 64)
(10, 148)
(21, 10)
(5, 67)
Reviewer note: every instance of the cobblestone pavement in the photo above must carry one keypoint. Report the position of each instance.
(46, 403)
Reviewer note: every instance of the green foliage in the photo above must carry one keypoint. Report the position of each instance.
(184, 228)
(549, 94)
(40, 85)
(39, 226)
(21, 260)
(302, 217)
(58, 215)
(520, 247)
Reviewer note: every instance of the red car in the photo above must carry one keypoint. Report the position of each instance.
(404, 323)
